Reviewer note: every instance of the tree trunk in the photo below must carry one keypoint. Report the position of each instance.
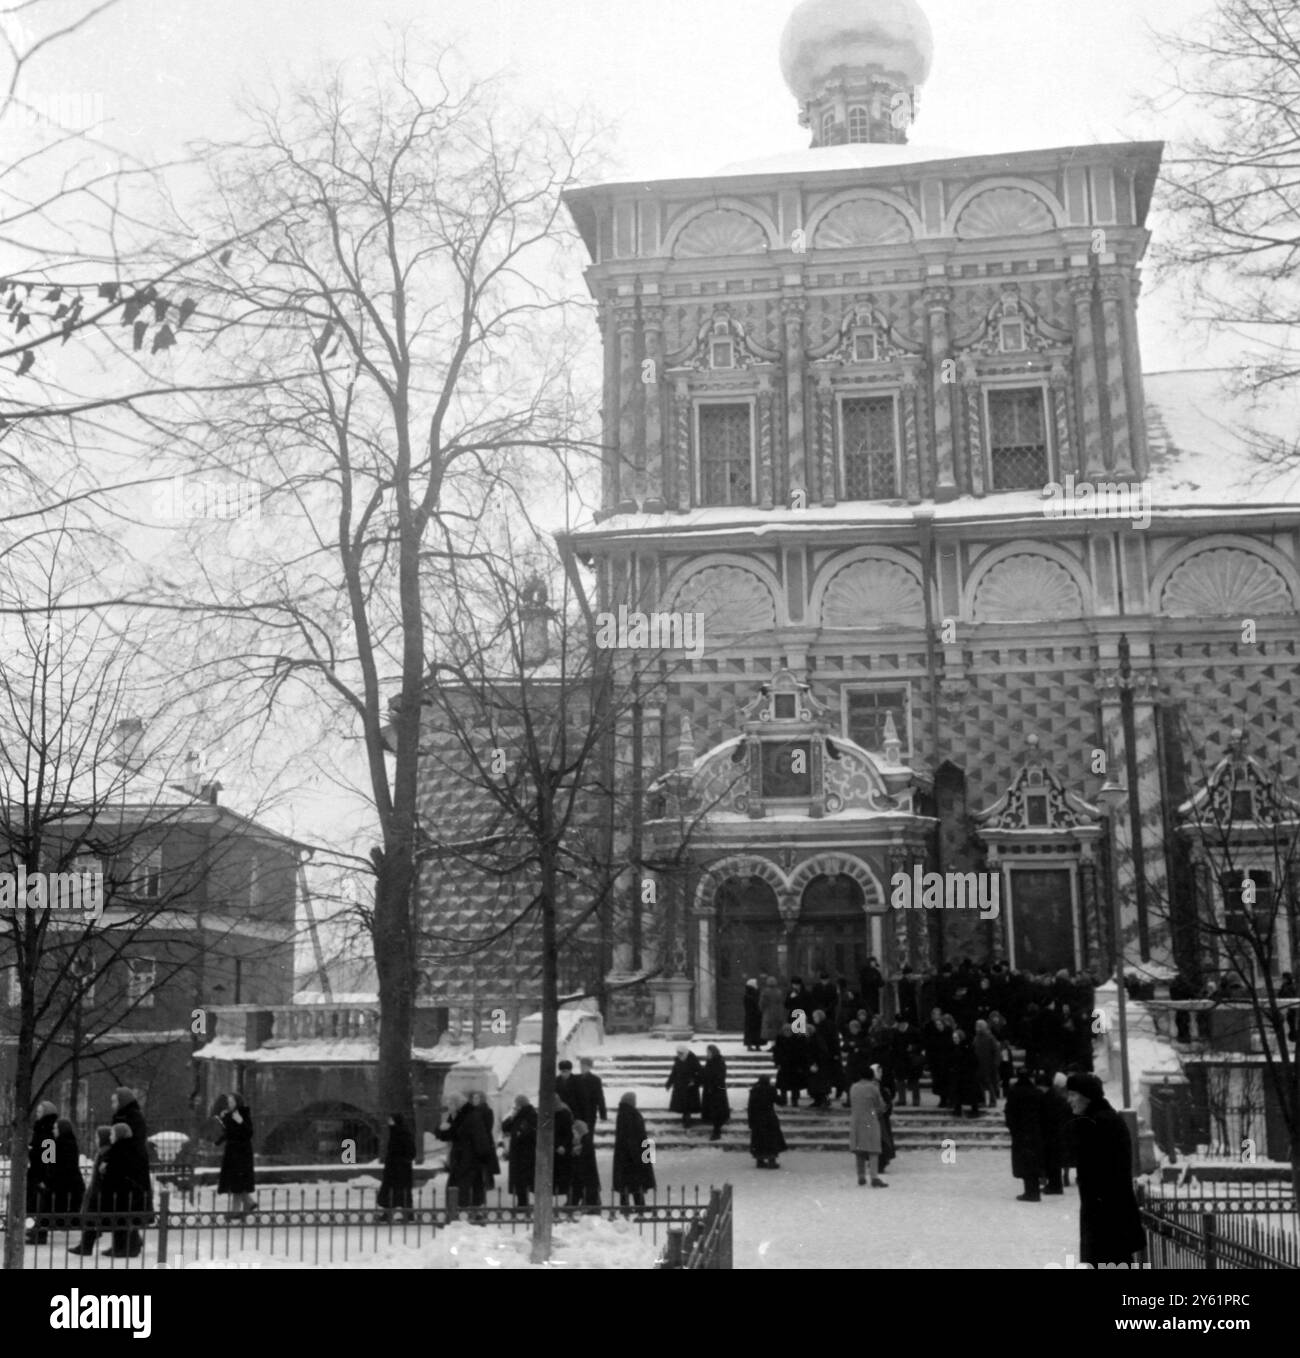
(19, 1133)
(544, 1178)
(395, 969)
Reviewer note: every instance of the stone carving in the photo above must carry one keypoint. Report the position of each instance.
(721, 232)
(1225, 580)
(1004, 212)
(732, 600)
(864, 221)
(873, 593)
(1027, 588)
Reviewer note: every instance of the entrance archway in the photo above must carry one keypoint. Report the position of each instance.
(749, 942)
(831, 934)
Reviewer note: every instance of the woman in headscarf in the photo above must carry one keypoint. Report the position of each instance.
(715, 1107)
(633, 1154)
(753, 1017)
(236, 1142)
(772, 1008)
(766, 1140)
(472, 1160)
(684, 1081)
(521, 1128)
(397, 1185)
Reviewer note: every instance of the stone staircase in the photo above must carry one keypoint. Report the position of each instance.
(925, 1128)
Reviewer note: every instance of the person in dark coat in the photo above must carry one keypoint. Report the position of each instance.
(715, 1107)
(562, 1152)
(791, 1057)
(42, 1150)
(907, 1060)
(126, 1189)
(772, 1007)
(871, 981)
(584, 1188)
(634, 1171)
(1056, 1118)
(753, 1034)
(521, 1128)
(472, 1162)
(824, 995)
(909, 996)
(937, 1041)
(564, 1083)
(587, 1094)
(396, 1187)
(127, 1112)
(798, 1000)
(965, 1075)
(766, 1140)
(67, 1184)
(1024, 1119)
(1110, 1229)
(684, 1081)
(236, 1142)
(988, 1056)
(92, 1203)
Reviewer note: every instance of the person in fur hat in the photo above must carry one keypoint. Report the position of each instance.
(1110, 1228)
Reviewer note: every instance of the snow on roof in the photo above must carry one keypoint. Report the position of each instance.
(852, 156)
(1204, 434)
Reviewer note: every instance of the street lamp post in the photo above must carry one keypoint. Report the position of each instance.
(1112, 796)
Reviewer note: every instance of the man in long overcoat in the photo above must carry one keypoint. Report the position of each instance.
(1110, 1228)
(867, 1124)
(1024, 1117)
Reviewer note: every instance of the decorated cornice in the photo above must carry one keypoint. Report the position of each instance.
(721, 324)
(864, 314)
(1238, 772)
(1040, 335)
(1066, 813)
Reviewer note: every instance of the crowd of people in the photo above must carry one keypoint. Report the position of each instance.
(58, 1196)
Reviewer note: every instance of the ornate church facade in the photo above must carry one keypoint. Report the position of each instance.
(876, 415)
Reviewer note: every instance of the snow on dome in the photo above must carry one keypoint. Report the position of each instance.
(850, 156)
(822, 37)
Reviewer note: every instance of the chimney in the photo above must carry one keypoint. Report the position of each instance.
(209, 792)
(125, 742)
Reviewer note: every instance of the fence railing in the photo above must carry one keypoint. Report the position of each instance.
(1233, 1230)
(338, 1225)
(706, 1243)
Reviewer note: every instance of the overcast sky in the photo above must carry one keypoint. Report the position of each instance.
(683, 86)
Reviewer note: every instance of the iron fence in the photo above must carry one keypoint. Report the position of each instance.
(335, 1226)
(706, 1243)
(1236, 1226)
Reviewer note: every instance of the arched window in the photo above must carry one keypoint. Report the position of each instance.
(828, 127)
(859, 123)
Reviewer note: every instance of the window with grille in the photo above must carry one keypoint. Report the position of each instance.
(865, 713)
(866, 346)
(721, 353)
(1012, 333)
(1017, 439)
(787, 769)
(726, 454)
(145, 880)
(828, 126)
(870, 443)
(859, 124)
(141, 977)
(1244, 916)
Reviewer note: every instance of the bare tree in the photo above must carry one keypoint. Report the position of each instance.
(1232, 189)
(398, 337)
(1234, 905)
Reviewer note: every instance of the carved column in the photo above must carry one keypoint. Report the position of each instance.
(706, 990)
(792, 321)
(609, 481)
(1113, 288)
(1092, 454)
(911, 486)
(766, 453)
(1133, 367)
(937, 302)
(681, 442)
(826, 437)
(652, 319)
(972, 440)
(1060, 387)
(631, 460)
